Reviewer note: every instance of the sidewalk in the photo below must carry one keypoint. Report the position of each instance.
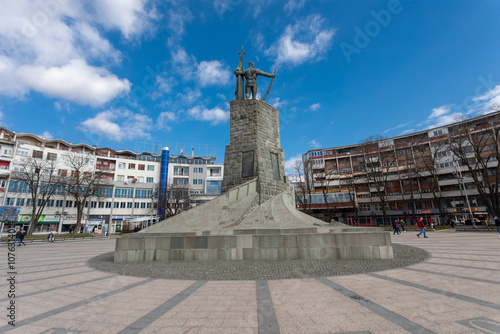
(455, 291)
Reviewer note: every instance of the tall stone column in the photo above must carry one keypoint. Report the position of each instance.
(255, 149)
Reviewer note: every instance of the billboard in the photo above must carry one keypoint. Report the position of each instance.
(9, 213)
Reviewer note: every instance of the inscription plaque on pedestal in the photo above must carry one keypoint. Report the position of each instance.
(247, 164)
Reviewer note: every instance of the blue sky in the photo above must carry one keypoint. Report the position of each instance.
(163, 70)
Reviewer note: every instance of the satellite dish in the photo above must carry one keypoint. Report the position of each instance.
(134, 180)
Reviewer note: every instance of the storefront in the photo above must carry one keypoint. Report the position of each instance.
(45, 223)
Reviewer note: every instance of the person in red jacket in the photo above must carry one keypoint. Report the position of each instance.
(421, 226)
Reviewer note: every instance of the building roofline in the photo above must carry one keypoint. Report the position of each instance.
(474, 119)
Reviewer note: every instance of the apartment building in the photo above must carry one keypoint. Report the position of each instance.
(7, 145)
(450, 172)
(129, 181)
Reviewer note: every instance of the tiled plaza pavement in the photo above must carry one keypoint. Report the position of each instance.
(455, 291)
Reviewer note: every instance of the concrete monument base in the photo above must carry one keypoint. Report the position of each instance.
(235, 227)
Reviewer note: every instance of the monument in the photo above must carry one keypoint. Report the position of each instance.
(256, 217)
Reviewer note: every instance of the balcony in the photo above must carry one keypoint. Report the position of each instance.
(111, 168)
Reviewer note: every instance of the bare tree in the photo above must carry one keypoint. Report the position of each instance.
(379, 163)
(176, 200)
(350, 184)
(477, 148)
(303, 196)
(38, 178)
(83, 183)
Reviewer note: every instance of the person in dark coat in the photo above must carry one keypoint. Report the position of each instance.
(395, 226)
(20, 235)
(497, 224)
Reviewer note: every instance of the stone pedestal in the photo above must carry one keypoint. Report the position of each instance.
(255, 149)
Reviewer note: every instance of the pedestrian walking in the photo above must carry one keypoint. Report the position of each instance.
(402, 224)
(50, 237)
(421, 226)
(22, 234)
(395, 226)
(497, 224)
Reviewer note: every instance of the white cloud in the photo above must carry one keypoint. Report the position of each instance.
(489, 101)
(405, 132)
(221, 96)
(47, 135)
(213, 73)
(277, 102)
(315, 106)
(292, 5)
(164, 119)
(121, 123)
(76, 81)
(314, 144)
(397, 127)
(292, 161)
(438, 112)
(129, 16)
(303, 41)
(50, 36)
(214, 116)
(441, 116)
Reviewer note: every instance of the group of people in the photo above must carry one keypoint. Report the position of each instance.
(399, 226)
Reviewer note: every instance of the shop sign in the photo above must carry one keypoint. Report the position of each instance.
(424, 211)
(473, 209)
(42, 219)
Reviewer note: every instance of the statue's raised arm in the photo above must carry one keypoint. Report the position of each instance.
(251, 79)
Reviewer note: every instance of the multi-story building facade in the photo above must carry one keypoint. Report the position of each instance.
(450, 172)
(7, 144)
(129, 181)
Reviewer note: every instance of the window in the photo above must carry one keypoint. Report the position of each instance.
(437, 133)
(364, 207)
(129, 205)
(122, 192)
(148, 205)
(22, 152)
(214, 187)
(345, 170)
(143, 193)
(3, 183)
(131, 166)
(20, 202)
(69, 204)
(136, 205)
(140, 179)
(38, 154)
(121, 165)
(51, 156)
(141, 167)
(101, 205)
(93, 205)
(9, 201)
(214, 171)
(59, 203)
(181, 181)
(151, 167)
(107, 192)
(197, 181)
(143, 205)
(29, 202)
(149, 180)
(198, 170)
(122, 205)
(120, 178)
(108, 205)
(116, 205)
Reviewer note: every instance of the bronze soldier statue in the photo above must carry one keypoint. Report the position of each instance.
(251, 74)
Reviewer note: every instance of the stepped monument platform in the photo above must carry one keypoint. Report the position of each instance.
(256, 217)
